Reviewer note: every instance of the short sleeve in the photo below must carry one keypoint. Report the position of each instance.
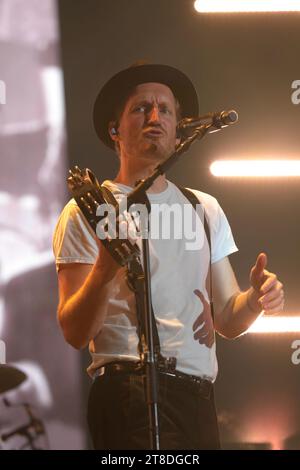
(222, 241)
(73, 238)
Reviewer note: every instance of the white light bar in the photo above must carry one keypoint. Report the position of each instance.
(244, 6)
(256, 168)
(276, 324)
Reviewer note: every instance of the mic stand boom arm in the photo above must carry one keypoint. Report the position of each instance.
(138, 194)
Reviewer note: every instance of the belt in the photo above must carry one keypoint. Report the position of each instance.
(203, 386)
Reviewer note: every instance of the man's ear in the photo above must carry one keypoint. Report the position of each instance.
(113, 130)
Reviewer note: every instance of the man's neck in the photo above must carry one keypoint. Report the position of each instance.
(129, 175)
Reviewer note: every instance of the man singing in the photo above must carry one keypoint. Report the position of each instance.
(136, 114)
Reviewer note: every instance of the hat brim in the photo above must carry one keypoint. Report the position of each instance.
(119, 86)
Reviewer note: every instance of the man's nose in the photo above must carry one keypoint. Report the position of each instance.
(153, 115)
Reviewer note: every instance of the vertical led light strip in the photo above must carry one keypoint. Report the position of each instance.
(227, 6)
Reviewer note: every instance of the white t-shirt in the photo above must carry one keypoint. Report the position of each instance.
(178, 267)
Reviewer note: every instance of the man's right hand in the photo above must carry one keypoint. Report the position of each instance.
(105, 260)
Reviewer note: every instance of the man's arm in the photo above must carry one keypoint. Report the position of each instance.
(235, 311)
(83, 297)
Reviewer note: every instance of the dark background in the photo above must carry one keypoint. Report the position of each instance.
(242, 61)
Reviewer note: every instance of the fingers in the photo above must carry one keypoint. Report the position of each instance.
(205, 316)
(205, 337)
(269, 283)
(205, 334)
(274, 307)
(203, 326)
(258, 272)
(276, 292)
(200, 295)
(273, 297)
(261, 263)
(273, 300)
(199, 321)
(204, 330)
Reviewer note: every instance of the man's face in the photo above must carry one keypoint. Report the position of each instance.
(147, 127)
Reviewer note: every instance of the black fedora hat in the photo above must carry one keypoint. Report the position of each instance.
(120, 85)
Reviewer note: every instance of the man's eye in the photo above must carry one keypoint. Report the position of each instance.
(141, 108)
(165, 110)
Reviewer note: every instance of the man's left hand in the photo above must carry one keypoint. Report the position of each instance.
(268, 290)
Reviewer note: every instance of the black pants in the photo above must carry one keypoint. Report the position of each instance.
(118, 417)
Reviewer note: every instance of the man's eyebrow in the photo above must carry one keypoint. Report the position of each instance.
(141, 100)
(149, 100)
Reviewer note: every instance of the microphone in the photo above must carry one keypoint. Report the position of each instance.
(215, 121)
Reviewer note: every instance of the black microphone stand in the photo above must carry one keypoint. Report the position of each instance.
(142, 276)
